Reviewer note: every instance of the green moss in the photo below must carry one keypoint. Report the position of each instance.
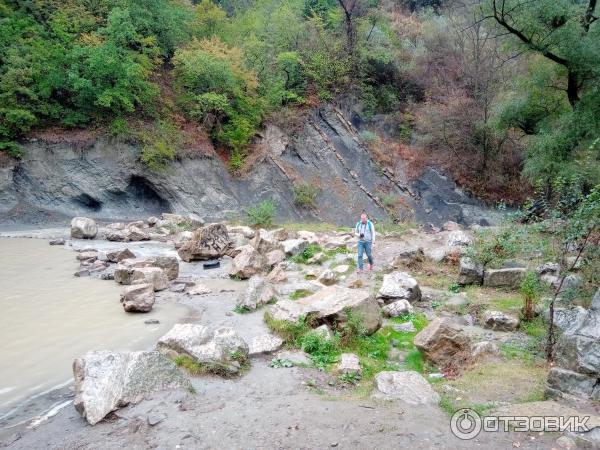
(299, 293)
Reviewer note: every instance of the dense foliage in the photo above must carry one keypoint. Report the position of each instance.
(493, 90)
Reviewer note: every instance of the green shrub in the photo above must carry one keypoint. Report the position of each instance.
(322, 350)
(305, 194)
(261, 215)
(530, 289)
(307, 253)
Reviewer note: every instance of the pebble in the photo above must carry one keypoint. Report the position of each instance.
(155, 419)
(152, 322)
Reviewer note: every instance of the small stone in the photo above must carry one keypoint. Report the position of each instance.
(397, 308)
(199, 289)
(152, 321)
(59, 241)
(349, 363)
(342, 268)
(155, 419)
(499, 321)
(405, 327)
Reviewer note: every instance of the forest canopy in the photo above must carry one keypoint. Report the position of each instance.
(495, 91)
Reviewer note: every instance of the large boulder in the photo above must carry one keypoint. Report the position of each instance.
(458, 238)
(500, 321)
(579, 354)
(274, 257)
(146, 274)
(220, 350)
(138, 298)
(105, 380)
(330, 305)
(264, 242)
(169, 264)
(596, 301)
(569, 320)
(117, 256)
(135, 233)
(83, 228)
(399, 285)
(264, 343)
(349, 364)
(510, 277)
(408, 255)
(409, 387)
(573, 383)
(277, 275)
(328, 277)
(443, 342)
(257, 293)
(397, 308)
(209, 242)
(293, 247)
(247, 263)
(470, 272)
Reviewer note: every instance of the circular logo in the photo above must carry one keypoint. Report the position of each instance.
(465, 424)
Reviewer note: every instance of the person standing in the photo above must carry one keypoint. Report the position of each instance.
(365, 232)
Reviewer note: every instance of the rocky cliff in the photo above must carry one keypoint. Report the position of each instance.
(106, 180)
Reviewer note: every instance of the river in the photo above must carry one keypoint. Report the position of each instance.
(48, 317)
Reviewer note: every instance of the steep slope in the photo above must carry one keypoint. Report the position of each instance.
(106, 180)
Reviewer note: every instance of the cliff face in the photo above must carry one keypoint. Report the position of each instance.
(105, 180)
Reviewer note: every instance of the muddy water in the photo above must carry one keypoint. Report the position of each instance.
(48, 317)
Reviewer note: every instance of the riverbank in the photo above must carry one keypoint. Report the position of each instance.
(305, 406)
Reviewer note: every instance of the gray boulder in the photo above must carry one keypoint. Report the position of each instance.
(572, 383)
(293, 247)
(349, 364)
(409, 387)
(569, 320)
(578, 353)
(397, 308)
(264, 343)
(509, 277)
(105, 380)
(247, 263)
(152, 275)
(277, 275)
(83, 228)
(499, 321)
(443, 342)
(274, 257)
(331, 305)
(117, 256)
(408, 255)
(257, 293)
(328, 277)
(458, 238)
(596, 301)
(399, 285)
(138, 298)
(264, 242)
(220, 350)
(470, 272)
(209, 242)
(169, 264)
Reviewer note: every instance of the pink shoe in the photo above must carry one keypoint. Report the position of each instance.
(359, 271)
(370, 266)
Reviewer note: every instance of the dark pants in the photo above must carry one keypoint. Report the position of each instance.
(364, 246)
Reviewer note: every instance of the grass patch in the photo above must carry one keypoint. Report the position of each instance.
(535, 328)
(242, 309)
(299, 293)
(307, 253)
(261, 215)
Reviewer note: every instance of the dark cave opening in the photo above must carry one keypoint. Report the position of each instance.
(88, 202)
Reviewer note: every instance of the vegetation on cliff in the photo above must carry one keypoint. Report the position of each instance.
(493, 90)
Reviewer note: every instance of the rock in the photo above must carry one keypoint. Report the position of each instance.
(451, 226)
(293, 247)
(572, 383)
(470, 272)
(566, 443)
(257, 294)
(280, 234)
(264, 343)
(264, 242)
(115, 236)
(349, 364)
(573, 263)
(569, 320)
(169, 264)
(209, 242)
(341, 269)
(572, 282)
(409, 387)
(59, 241)
(579, 354)
(443, 342)
(408, 255)
(596, 301)
(138, 298)
(89, 256)
(153, 275)
(499, 321)
(152, 322)
(510, 277)
(549, 268)
(105, 380)
(397, 308)
(274, 257)
(221, 350)
(247, 263)
(134, 233)
(324, 331)
(317, 258)
(330, 305)
(308, 236)
(154, 419)
(116, 226)
(277, 275)
(245, 231)
(117, 256)
(82, 273)
(199, 289)
(328, 277)
(296, 357)
(484, 348)
(405, 327)
(458, 238)
(399, 285)
(83, 228)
